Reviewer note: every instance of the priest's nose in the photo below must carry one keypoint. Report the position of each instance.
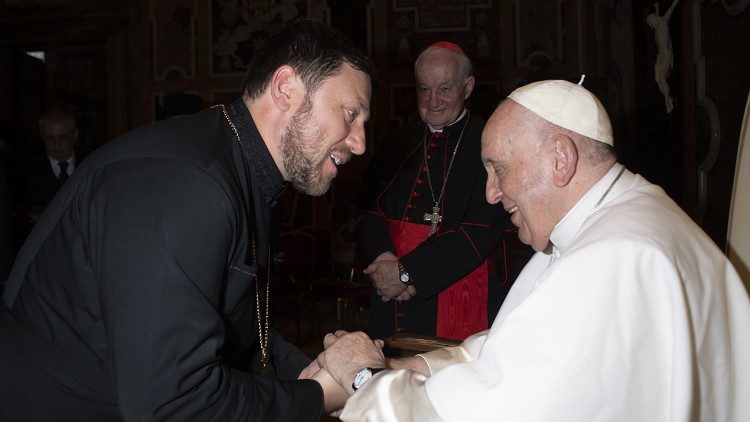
(356, 139)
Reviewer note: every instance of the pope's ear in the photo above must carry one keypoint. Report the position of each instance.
(282, 85)
(566, 159)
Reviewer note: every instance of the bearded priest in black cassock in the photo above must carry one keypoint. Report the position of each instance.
(143, 292)
(425, 233)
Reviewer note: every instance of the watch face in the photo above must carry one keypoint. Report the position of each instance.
(404, 277)
(361, 377)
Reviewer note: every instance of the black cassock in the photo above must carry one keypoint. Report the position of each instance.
(134, 296)
(396, 189)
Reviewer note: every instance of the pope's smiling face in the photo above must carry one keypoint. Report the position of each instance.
(519, 174)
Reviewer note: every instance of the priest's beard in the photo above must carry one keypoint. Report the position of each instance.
(303, 159)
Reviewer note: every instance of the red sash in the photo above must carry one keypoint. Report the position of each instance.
(462, 308)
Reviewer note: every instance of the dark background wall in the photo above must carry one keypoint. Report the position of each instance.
(123, 63)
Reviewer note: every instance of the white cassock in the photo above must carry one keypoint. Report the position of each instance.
(634, 315)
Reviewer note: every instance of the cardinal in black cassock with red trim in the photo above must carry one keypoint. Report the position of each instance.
(425, 233)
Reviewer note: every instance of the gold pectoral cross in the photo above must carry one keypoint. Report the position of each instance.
(267, 370)
(435, 218)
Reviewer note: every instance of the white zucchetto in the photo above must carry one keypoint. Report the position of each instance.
(567, 105)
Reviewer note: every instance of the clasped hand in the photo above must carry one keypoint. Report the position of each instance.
(385, 279)
(347, 353)
(344, 355)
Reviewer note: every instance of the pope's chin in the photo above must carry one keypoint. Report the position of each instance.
(527, 239)
(524, 235)
(524, 238)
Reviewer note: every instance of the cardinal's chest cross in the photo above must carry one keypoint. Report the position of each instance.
(435, 218)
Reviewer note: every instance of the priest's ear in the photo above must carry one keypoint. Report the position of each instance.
(566, 159)
(286, 88)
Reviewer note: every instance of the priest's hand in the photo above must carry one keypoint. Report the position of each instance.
(384, 274)
(334, 396)
(309, 371)
(347, 353)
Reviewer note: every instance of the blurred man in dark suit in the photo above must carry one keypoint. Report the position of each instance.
(45, 174)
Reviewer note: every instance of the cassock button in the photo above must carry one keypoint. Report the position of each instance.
(399, 314)
(407, 219)
(399, 330)
(419, 181)
(415, 194)
(433, 145)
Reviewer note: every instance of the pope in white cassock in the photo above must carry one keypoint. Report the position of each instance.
(627, 312)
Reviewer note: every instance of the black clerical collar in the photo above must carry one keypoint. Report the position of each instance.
(255, 153)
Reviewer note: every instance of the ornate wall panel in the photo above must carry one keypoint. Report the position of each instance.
(538, 32)
(239, 28)
(353, 18)
(224, 96)
(412, 25)
(403, 104)
(173, 34)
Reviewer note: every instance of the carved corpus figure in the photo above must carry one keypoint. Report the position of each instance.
(664, 57)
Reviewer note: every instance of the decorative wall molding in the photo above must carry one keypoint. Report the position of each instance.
(173, 37)
(734, 7)
(370, 12)
(224, 96)
(473, 24)
(403, 103)
(706, 105)
(238, 29)
(541, 46)
(441, 17)
(24, 22)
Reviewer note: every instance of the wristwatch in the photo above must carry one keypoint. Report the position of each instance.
(363, 376)
(403, 275)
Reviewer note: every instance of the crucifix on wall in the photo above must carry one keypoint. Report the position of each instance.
(664, 56)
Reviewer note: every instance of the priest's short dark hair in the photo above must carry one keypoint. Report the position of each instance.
(315, 51)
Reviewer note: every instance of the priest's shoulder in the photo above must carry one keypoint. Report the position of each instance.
(199, 129)
(196, 137)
